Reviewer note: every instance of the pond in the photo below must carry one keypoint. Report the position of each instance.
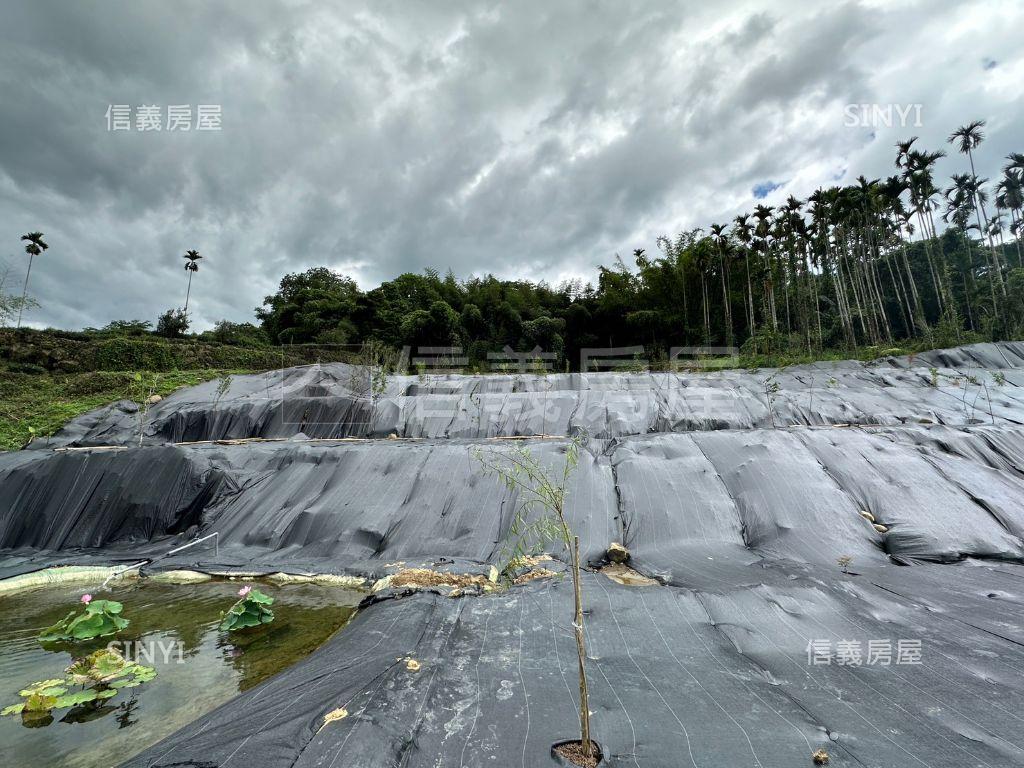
(174, 629)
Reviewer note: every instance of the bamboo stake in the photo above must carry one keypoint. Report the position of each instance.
(581, 652)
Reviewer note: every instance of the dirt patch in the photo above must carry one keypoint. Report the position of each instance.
(533, 573)
(529, 561)
(572, 751)
(623, 574)
(424, 577)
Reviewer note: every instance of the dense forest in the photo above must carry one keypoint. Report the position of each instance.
(862, 265)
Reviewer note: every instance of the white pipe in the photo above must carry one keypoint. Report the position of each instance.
(123, 570)
(213, 535)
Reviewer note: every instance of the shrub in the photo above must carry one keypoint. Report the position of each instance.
(172, 324)
(94, 383)
(128, 353)
(239, 334)
(123, 328)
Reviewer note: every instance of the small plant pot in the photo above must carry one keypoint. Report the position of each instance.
(557, 753)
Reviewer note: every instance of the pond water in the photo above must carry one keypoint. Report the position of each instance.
(174, 629)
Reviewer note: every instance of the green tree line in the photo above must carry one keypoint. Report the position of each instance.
(852, 266)
(902, 260)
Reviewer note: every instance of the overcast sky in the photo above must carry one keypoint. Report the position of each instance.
(529, 139)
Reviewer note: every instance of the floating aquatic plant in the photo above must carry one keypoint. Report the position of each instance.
(251, 611)
(96, 677)
(101, 618)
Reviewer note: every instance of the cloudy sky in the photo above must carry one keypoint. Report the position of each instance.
(529, 139)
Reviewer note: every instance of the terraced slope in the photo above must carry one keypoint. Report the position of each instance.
(736, 495)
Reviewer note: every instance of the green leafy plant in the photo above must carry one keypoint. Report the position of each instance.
(539, 519)
(98, 676)
(771, 391)
(251, 611)
(638, 365)
(141, 388)
(12, 305)
(172, 324)
(372, 368)
(223, 385)
(100, 618)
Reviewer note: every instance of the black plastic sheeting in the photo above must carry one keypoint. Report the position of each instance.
(720, 498)
(66, 500)
(678, 678)
(741, 523)
(953, 387)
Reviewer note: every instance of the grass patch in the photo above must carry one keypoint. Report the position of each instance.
(787, 359)
(45, 402)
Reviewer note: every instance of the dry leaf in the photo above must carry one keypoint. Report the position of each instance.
(335, 714)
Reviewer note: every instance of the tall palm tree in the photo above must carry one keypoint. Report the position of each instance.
(903, 151)
(1010, 197)
(722, 246)
(909, 161)
(191, 266)
(959, 209)
(996, 227)
(744, 234)
(35, 246)
(968, 138)
(922, 191)
(895, 217)
(791, 224)
(1014, 171)
(859, 204)
(763, 232)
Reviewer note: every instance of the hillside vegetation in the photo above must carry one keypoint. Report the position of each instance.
(36, 405)
(49, 377)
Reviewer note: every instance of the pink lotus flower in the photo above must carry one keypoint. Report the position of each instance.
(86, 599)
(244, 591)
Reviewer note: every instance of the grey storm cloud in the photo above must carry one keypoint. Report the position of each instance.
(531, 140)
